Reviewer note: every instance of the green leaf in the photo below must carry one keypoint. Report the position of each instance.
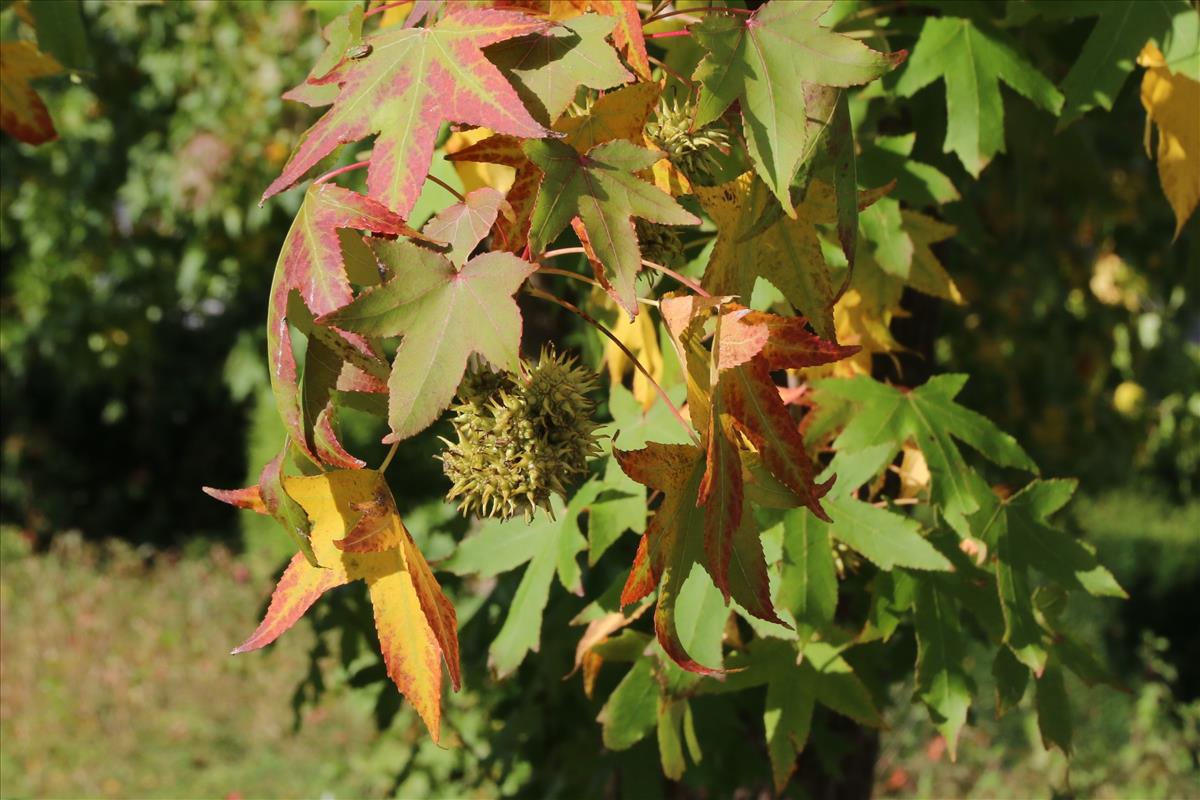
(760, 60)
(60, 32)
(808, 580)
(973, 61)
(1110, 52)
(632, 708)
(1011, 678)
(883, 537)
(602, 189)
(787, 717)
(549, 544)
(445, 315)
(838, 687)
(1054, 709)
(931, 418)
(889, 157)
(942, 681)
(547, 68)
(890, 244)
(675, 726)
(404, 87)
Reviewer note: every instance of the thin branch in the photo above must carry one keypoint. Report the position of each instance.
(668, 34)
(686, 281)
(700, 9)
(387, 460)
(447, 187)
(568, 274)
(564, 251)
(535, 292)
(385, 7)
(333, 173)
(688, 82)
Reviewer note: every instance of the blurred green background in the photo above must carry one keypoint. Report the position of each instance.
(136, 263)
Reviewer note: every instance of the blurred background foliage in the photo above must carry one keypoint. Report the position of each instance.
(136, 263)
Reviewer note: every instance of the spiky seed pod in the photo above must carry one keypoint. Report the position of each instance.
(659, 243)
(692, 151)
(520, 438)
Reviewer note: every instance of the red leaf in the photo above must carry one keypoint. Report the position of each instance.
(762, 417)
(298, 588)
(784, 342)
(311, 265)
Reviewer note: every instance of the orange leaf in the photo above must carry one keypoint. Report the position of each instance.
(22, 112)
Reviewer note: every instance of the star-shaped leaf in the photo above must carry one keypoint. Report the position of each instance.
(973, 62)
(602, 189)
(760, 60)
(405, 85)
(310, 280)
(930, 417)
(445, 315)
(358, 534)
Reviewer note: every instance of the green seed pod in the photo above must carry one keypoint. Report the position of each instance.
(659, 243)
(690, 149)
(520, 438)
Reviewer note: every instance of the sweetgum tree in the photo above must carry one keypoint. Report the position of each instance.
(722, 199)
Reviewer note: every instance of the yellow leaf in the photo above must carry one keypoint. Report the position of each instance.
(787, 252)
(22, 112)
(1172, 102)
(478, 174)
(358, 534)
(641, 337)
(620, 114)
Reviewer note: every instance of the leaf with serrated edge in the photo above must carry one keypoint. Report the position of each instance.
(601, 188)
(672, 543)
(942, 682)
(759, 60)
(463, 225)
(973, 62)
(763, 419)
(415, 621)
(787, 253)
(412, 81)
(310, 267)
(546, 68)
(445, 315)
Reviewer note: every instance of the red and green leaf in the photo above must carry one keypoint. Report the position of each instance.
(409, 83)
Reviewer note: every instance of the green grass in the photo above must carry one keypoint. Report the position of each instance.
(115, 681)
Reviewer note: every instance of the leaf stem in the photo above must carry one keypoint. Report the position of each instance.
(387, 460)
(568, 274)
(535, 292)
(564, 251)
(700, 9)
(446, 186)
(686, 281)
(384, 7)
(333, 173)
(667, 69)
(668, 34)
